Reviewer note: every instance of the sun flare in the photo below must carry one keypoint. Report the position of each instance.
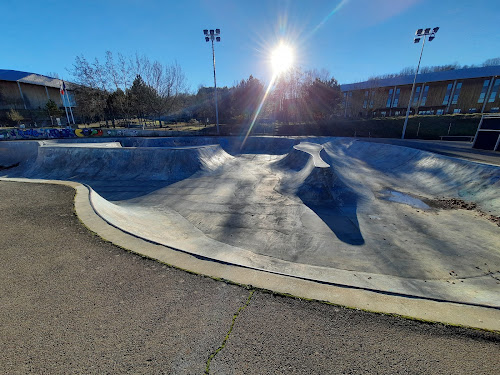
(282, 58)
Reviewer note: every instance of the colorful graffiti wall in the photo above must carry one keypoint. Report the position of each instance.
(65, 133)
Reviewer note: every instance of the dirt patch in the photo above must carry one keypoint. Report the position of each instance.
(459, 204)
(452, 204)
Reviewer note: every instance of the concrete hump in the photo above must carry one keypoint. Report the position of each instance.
(117, 163)
(300, 156)
(306, 174)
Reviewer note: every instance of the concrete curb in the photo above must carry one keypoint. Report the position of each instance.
(410, 307)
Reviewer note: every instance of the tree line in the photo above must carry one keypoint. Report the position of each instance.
(126, 89)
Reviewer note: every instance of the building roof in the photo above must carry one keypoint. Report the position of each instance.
(447, 75)
(31, 78)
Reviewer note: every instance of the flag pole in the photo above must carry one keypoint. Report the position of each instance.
(69, 105)
(64, 104)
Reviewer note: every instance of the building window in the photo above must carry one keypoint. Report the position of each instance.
(416, 95)
(456, 93)
(494, 110)
(396, 98)
(472, 110)
(383, 113)
(389, 98)
(457, 110)
(424, 95)
(446, 99)
(494, 92)
(426, 112)
(397, 113)
(440, 112)
(484, 91)
(372, 95)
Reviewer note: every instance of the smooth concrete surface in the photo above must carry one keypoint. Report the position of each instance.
(282, 213)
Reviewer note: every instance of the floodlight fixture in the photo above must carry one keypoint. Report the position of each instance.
(214, 35)
(420, 35)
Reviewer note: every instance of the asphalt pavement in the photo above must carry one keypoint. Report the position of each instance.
(74, 303)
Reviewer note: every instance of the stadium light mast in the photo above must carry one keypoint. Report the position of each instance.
(214, 35)
(419, 34)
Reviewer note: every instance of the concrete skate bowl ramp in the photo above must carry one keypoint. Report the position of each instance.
(13, 153)
(332, 210)
(232, 145)
(424, 173)
(116, 172)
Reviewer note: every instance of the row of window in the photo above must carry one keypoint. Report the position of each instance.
(452, 93)
(437, 111)
(420, 96)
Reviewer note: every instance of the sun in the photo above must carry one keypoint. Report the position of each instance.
(282, 58)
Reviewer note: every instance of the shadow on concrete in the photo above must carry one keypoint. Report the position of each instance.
(339, 212)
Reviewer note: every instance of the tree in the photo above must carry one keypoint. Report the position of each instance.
(156, 94)
(324, 99)
(15, 116)
(116, 105)
(492, 62)
(245, 99)
(52, 110)
(143, 99)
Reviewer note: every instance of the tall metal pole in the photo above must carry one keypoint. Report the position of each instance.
(69, 105)
(215, 86)
(412, 90)
(66, 109)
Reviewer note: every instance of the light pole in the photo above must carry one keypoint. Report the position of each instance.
(420, 33)
(211, 35)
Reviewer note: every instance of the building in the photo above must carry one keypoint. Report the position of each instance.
(30, 91)
(471, 90)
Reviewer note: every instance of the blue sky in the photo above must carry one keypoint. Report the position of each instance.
(352, 39)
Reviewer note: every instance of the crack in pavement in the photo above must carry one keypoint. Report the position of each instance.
(212, 356)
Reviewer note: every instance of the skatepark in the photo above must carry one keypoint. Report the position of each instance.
(381, 218)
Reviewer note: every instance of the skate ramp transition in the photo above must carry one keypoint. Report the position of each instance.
(334, 210)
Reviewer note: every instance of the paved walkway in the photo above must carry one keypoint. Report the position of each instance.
(74, 303)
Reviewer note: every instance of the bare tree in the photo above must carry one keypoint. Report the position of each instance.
(490, 62)
(52, 75)
(112, 73)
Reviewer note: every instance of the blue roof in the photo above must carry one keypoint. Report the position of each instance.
(26, 77)
(12, 75)
(447, 75)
